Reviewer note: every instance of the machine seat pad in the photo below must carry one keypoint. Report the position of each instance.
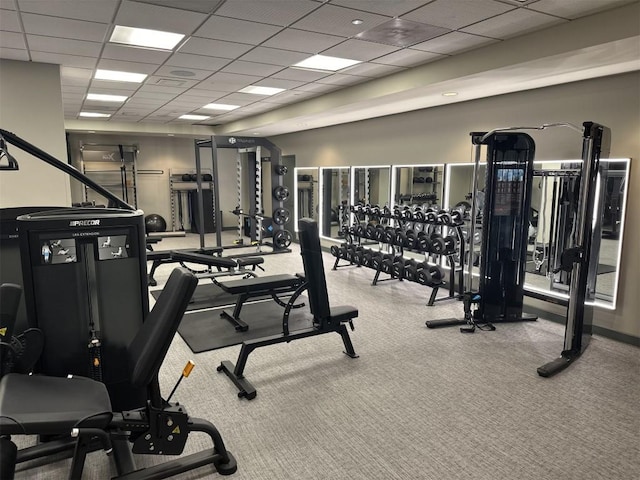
(68, 403)
(249, 261)
(259, 285)
(342, 313)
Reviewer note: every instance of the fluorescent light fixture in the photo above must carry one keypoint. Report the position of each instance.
(193, 117)
(95, 115)
(106, 98)
(449, 94)
(221, 106)
(257, 90)
(324, 62)
(357, 21)
(142, 37)
(117, 76)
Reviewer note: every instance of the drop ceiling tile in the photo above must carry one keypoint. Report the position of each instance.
(9, 21)
(167, 71)
(158, 91)
(408, 58)
(359, 50)
(73, 89)
(455, 14)
(401, 33)
(188, 60)
(14, 54)
(206, 94)
(214, 88)
(143, 102)
(202, 6)
(66, 60)
(302, 41)
(64, 27)
(134, 14)
(214, 48)
(222, 81)
(301, 75)
(382, 7)
(318, 87)
(291, 96)
(127, 118)
(64, 45)
(131, 67)
(222, 28)
(573, 9)
(279, 83)
(334, 20)
(514, 23)
(274, 56)
(185, 105)
(274, 12)
(7, 4)
(113, 51)
(151, 94)
(79, 77)
(240, 98)
(111, 91)
(93, 11)
(251, 68)
(454, 42)
(13, 40)
(373, 70)
(342, 79)
(72, 97)
(93, 105)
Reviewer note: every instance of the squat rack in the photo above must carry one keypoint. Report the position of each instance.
(254, 146)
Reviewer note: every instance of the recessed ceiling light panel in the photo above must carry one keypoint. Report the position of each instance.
(450, 94)
(142, 37)
(193, 117)
(257, 90)
(117, 76)
(221, 106)
(106, 98)
(95, 115)
(324, 62)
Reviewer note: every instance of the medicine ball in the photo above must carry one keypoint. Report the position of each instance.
(186, 177)
(155, 223)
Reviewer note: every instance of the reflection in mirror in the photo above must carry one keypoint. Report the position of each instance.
(305, 203)
(552, 218)
(335, 192)
(417, 184)
(370, 185)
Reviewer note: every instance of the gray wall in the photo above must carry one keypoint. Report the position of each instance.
(442, 135)
(31, 107)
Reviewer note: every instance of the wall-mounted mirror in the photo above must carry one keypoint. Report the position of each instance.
(551, 223)
(552, 217)
(371, 185)
(306, 200)
(335, 194)
(421, 184)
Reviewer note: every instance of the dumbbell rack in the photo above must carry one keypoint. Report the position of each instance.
(375, 229)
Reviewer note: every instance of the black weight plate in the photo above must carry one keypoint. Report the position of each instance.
(281, 193)
(281, 216)
(282, 239)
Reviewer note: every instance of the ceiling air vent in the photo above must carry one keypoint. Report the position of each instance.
(166, 82)
(401, 33)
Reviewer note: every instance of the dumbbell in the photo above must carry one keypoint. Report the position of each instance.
(422, 242)
(430, 275)
(368, 257)
(358, 255)
(457, 217)
(343, 251)
(367, 209)
(431, 214)
(389, 235)
(398, 267)
(386, 212)
(443, 245)
(406, 214)
(418, 214)
(411, 269)
(335, 250)
(444, 217)
(370, 231)
(410, 239)
(375, 210)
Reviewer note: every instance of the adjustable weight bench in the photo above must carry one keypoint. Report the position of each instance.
(209, 257)
(247, 288)
(326, 319)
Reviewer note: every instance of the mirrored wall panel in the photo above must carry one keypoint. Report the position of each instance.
(334, 198)
(371, 185)
(417, 184)
(306, 203)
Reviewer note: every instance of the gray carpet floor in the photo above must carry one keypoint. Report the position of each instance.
(417, 404)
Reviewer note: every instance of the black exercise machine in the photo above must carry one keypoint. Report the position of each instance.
(326, 319)
(80, 407)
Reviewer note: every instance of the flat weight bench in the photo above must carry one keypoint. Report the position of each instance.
(210, 257)
(247, 288)
(326, 319)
